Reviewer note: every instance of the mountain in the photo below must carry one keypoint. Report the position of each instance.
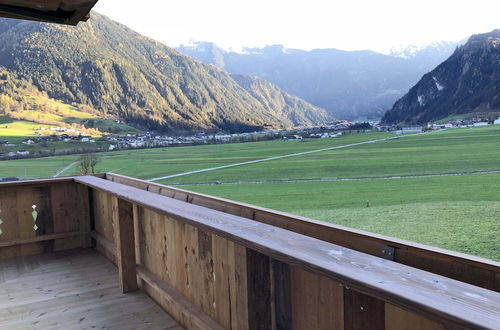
(280, 103)
(122, 74)
(435, 51)
(468, 81)
(349, 84)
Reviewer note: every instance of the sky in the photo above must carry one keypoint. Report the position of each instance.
(377, 25)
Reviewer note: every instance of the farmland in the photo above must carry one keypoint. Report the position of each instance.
(437, 188)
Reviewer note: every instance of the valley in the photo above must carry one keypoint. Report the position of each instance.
(445, 194)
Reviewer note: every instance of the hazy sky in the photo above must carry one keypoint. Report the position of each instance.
(346, 24)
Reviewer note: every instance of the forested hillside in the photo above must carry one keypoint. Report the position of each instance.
(108, 67)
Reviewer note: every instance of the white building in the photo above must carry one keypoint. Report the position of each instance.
(482, 123)
(412, 130)
(497, 122)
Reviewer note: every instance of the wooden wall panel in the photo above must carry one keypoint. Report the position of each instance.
(103, 218)
(360, 310)
(399, 319)
(10, 227)
(67, 214)
(317, 302)
(58, 213)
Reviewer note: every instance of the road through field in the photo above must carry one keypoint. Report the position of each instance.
(279, 157)
(64, 169)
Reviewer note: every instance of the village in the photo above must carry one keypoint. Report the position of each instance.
(155, 140)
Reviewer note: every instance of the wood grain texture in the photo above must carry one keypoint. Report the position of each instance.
(466, 268)
(281, 295)
(259, 290)
(457, 304)
(399, 319)
(181, 309)
(58, 217)
(55, 291)
(361, 310)
(317, 301)
(125, 244)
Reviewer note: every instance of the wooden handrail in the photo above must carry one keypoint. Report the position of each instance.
(434, 296)
(462, 267)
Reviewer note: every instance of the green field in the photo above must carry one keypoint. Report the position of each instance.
(149, 163)
(459, 212)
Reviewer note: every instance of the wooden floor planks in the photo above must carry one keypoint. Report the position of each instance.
(72, 290)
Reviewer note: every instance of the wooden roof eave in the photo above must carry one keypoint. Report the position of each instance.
(59, 12)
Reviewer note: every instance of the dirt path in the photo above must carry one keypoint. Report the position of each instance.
(64, 169)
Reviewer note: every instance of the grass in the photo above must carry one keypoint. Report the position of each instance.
(454, 212)
(457, 212)
(458, 150)
(18, 129)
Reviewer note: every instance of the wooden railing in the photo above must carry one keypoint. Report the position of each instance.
(466, 268)
(62, 220)
(216, 268)
(212, 269)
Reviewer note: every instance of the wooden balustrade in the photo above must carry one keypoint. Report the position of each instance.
(211, 269)
(62, 221)
(465, 268)
(217, 264)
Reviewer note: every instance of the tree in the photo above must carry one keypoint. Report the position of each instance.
(88, 163)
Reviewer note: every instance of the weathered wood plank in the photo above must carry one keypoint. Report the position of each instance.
(222, 295)
(361, 310)
(317, 301)
(282, 295)
(186, 313)
(72, 290)
(403, 286)
(83, 211)
(399, 319)
(259, 290)
(238, 286)
(43, 238)
(125, 245)
(105, 243)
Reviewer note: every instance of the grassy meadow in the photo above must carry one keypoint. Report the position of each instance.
(459, 212)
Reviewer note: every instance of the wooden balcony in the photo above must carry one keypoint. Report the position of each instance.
(210, 263)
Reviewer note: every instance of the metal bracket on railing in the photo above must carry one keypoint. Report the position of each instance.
(388, 252)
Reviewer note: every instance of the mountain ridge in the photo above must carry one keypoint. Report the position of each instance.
(467, 82)
(349, 84)
(109, 67)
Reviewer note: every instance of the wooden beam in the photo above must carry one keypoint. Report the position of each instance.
(125, 244)
(186, 313)
(109, 246)
(85, 209)
(282, 295)
(259, 290)
(23, 241)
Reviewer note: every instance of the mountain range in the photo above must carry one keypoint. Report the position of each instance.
(348, 84)
(467, 82)
(121, 74)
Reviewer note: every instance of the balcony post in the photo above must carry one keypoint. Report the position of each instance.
(123, 218)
